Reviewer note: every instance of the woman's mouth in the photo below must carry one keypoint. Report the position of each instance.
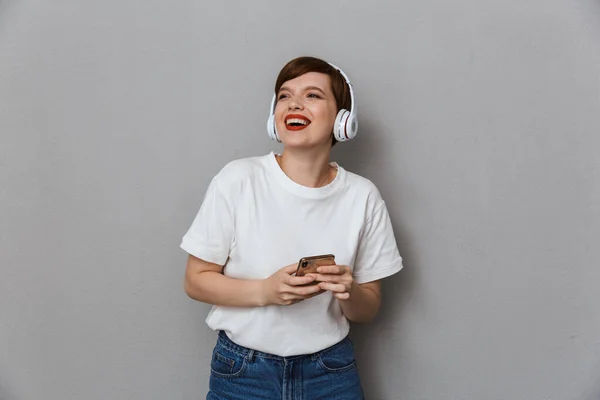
(296, 122)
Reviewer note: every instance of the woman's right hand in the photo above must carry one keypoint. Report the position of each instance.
(282, 288)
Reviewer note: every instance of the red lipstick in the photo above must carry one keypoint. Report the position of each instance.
(296, 122)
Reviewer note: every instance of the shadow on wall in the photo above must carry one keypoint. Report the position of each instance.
(397, 290)
(396, 294)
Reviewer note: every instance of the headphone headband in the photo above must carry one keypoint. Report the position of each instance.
(349, 86)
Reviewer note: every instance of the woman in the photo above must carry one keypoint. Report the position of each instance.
(282, 335)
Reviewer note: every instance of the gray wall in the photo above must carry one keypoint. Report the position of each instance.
(480, 124)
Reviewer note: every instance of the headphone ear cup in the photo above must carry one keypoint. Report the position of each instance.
(339, 126)
(271, 130)
(351, 126)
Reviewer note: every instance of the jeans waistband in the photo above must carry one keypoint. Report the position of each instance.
(224, 340)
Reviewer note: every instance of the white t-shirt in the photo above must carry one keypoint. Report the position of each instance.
(255, 220)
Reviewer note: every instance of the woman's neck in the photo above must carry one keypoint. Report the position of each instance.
(311, 170)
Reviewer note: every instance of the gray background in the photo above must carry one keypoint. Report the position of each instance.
(480, 124)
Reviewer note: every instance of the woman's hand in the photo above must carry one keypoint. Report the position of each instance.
(282, 288)
(335, 278)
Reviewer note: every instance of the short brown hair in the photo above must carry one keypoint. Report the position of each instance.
(302, 65)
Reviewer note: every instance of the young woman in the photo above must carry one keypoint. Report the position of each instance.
(283, 336)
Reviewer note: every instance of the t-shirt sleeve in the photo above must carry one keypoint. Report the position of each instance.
(211, 234)
(377, 256)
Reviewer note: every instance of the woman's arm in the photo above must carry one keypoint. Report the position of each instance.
(205, 282)
(363, 303)
(359, 302)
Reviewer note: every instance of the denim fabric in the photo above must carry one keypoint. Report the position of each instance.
(239, 373)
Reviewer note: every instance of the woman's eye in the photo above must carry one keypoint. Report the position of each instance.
(314, 96)
(281, 96)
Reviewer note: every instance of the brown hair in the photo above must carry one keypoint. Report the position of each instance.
(302, 65)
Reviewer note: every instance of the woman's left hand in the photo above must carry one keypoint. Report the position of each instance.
(337, 279)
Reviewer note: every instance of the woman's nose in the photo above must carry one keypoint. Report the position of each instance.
(294, 104)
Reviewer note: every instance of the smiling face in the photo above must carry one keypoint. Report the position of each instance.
(305, 111)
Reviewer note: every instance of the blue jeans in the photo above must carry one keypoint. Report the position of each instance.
(239, 373)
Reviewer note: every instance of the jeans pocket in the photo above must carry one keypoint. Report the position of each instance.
(338, 358)
(227, 364)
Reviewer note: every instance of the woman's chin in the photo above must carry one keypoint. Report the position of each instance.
(299, 141)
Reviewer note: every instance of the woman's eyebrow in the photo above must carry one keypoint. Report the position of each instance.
(285, 88)
(315, 88)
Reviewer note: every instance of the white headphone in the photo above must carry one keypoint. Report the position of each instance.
(344, 127)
